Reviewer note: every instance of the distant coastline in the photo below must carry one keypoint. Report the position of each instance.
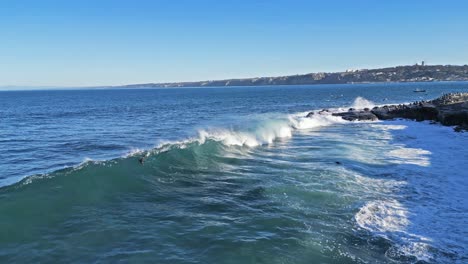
(399, 74)
(412, 73)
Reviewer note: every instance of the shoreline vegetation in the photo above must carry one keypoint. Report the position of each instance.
(412, 73)
(449, 110)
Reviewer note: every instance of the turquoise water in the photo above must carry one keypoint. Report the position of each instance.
(230, 175)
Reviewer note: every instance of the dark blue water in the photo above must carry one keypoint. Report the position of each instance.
(230, 175)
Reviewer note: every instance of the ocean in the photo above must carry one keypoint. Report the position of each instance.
(229, 175)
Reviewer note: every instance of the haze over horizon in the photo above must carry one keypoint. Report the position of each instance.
(54, 43)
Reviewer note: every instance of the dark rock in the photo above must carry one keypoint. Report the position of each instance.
(357, 115)
(451, 98)
(423, 112)
(449, 110)
(461, 128)
(454, 114)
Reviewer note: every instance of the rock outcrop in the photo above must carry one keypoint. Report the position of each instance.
(449, 109)
(359, 115)
(416, 111)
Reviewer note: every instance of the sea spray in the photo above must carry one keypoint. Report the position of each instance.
(361, 103)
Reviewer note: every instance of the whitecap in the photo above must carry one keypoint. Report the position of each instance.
(361, 103)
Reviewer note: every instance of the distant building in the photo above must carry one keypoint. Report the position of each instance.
(422, 63)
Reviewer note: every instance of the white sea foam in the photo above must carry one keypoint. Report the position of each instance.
(361, 103)
(232, 138)
(414, 156)
(134, 151)
(422, 217)
(268, 130)
(315, 121)
(383, 216)
(262, 131)
(386, 127)
(428, 149)
(390, 219)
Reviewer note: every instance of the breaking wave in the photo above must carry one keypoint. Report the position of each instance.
(249, 133)
(360, 103)
(216, 149)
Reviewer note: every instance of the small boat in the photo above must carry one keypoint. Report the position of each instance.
(419, 91)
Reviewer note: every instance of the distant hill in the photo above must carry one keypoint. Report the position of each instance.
(414, 73)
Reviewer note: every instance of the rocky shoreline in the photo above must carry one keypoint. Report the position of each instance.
(449, 110)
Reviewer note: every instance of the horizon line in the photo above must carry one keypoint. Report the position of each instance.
(57, 87)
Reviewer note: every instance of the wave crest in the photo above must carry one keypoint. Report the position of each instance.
(250, 132)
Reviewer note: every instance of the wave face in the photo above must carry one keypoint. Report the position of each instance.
(250, 185)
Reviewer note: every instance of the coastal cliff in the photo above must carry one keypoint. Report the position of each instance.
(413, 73)
(449, 110)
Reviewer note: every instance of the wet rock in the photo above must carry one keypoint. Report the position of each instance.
(454, 114)
(451, 98)
(357, 115)
(461, 128)
(417, 112)
(324, 112)
(449, 109)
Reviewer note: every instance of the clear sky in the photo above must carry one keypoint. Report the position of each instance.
(112, 42)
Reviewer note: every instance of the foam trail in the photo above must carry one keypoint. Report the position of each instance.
(390, 219)
(421, 217)
(383, 216)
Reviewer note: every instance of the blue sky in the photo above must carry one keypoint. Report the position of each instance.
(99, 42)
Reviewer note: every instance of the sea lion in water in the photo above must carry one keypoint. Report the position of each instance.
(141, 160)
